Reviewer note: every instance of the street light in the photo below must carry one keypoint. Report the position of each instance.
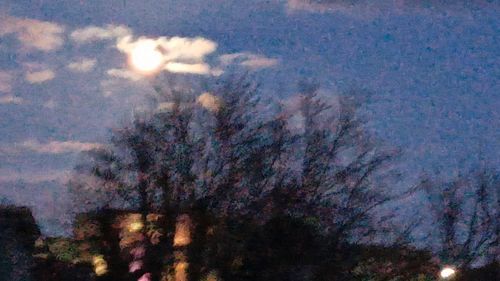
(447, 272)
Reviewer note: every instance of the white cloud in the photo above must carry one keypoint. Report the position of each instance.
(249, 60)
(83, 65)
(179, 54)
(10, 99)
(53, 147)
(33, 34)
(37, 77)
(94, 33)
(5, 81)
(195, 68)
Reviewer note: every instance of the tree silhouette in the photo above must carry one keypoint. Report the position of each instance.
(230, 161)
(466, 213)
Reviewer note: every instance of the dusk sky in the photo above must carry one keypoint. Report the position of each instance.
(433, 70)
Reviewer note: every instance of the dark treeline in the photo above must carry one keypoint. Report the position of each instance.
(230, 185)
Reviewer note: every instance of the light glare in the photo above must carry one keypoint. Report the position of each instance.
(447, 272)
(145, 56)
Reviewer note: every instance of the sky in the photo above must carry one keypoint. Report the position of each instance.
(432, 68)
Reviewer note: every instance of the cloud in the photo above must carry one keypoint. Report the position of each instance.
(52, 147)
(196, 68)
(368, 8)
(94, 33)
(37, 77)
(83, 65)
(33, 34)
(124, 74)
(209, 102)
(179, 54)
(165, 106)
(249, 60)
(50, 104)
(10, 99)
(5, 81)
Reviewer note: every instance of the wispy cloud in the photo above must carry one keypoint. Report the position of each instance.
(95, 33)
(10, 99)
(5, 81)
(37, 77)
(52, 147)
(249, 60)
(33, 34)
(369, 9)
(124, 73)
(83, 65)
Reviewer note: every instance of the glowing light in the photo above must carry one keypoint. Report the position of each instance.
(447, 272)
(100, 265)
(145, 277)
(182, 231)
(135, 226)
(181, 271)
(134, 266)
(145, 57)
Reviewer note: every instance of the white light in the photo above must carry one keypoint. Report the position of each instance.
(145, 57)
(447, 272)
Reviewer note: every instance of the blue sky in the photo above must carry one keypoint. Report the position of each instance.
(432, 68)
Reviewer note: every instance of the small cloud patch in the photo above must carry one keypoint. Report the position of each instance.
(83, 65)
(91, 34)
(248, 60)
(33, 34)
(38, 77)
(52, 147)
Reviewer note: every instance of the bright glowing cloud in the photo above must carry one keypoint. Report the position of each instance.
(37, 77)
(33, 34)
(83, 65)
(249, 60)
(195, 68)
(94, 33)
(145, 56)
(176, 54)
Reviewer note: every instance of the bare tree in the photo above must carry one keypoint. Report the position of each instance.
(466, 212)
(228, 154)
